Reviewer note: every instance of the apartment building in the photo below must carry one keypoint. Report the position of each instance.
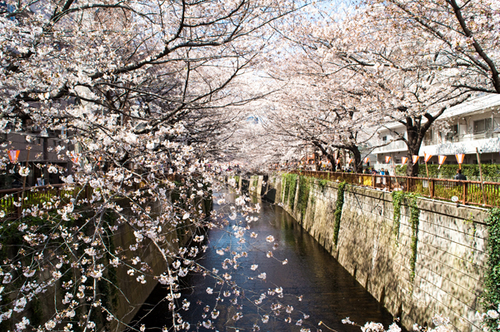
(465, 127)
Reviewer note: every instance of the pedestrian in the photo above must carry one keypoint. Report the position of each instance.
(459, 175)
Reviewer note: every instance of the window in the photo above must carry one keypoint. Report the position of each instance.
(452, 134)
(428, 137)
(384, 139)
(482, 126)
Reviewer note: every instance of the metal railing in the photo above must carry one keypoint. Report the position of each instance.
(14, 201)
(467, 192)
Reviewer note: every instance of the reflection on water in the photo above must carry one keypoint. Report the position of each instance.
(315, 287)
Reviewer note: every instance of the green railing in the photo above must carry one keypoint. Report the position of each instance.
(14, 200)
(466, 192)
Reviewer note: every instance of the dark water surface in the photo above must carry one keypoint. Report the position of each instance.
(313, 282)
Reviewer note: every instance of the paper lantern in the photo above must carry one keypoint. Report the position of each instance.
(74, 157)
(13, 155)
(441, 160)
(460, 159)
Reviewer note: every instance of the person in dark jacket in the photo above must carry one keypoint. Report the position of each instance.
(460, 176)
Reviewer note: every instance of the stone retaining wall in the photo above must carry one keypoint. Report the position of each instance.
(450, 250)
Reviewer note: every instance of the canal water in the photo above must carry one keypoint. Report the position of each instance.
(306, 287)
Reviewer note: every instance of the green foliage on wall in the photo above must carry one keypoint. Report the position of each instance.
(255, 182)
(303, 197)
(338, 211)
(398, 199)
(322, 183)
(289, 183)
(491, 295)
(414, 221)
(491, 172)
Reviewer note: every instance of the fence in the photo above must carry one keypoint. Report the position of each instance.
(467, 192)
(13, 201)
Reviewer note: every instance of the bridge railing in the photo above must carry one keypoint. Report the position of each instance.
(467, 192)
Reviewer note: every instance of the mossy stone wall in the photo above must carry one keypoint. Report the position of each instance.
(436, 267)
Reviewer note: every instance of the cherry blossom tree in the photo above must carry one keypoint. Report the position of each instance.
(382, 75)
(326, 124)
(139, 94)
(463, 32)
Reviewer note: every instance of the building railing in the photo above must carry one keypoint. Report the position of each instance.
(396, 145)
(457, 138)
(466, 192)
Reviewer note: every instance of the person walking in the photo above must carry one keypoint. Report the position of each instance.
(459, 175)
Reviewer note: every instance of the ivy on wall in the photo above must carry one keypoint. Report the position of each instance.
(398, 198)
(338, 211)
(303, 197)
(255, 182)
(290, 187)
(491, 295)
(322, 183)
(414, 221)
(289, 182)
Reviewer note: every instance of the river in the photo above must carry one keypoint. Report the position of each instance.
(315, 288)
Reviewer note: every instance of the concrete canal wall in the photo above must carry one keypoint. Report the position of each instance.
(125, 294)
(430, 262)
(133, 294)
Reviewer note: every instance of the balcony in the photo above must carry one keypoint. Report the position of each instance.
(393, 146)
(448, 145)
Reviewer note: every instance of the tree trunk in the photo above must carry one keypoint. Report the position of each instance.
(412, 169)
(331, 159)
(415, 136)
(358, 163)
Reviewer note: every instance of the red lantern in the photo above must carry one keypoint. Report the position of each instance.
(13, 156)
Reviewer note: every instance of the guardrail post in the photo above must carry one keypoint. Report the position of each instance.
(19, 209)
(464, 193)
(388, 183)
(407, 184)
(431, 188)
(373, 181)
